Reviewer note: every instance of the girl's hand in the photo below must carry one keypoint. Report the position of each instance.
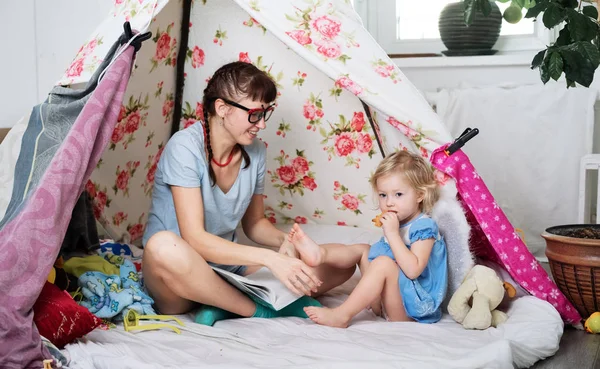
(287, 248)
(390, 224)
(294, 274)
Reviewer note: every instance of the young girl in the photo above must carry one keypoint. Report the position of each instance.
(406, 271)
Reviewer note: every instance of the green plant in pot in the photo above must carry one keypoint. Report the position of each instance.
(575, 53)
(478, 36)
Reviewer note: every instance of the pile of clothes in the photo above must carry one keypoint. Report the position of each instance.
(107, 283)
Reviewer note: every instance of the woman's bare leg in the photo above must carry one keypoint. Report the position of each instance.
(381, 277)
(177, 277)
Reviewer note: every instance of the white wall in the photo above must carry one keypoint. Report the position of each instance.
(39, 39)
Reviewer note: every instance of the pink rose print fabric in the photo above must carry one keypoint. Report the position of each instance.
(321, 33)
(349, 139)
(493, 235)
(293, 174)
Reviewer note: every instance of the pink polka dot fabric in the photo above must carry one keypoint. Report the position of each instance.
(494, 238)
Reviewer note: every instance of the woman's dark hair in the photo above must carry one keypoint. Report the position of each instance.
(232, 81)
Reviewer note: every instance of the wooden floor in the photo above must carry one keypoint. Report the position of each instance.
(578, 349)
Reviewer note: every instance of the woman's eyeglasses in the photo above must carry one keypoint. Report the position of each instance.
(254, 115)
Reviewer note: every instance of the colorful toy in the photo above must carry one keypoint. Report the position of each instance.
(132, 322)
(592, 324)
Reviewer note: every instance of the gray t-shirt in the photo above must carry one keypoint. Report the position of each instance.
(184, 163)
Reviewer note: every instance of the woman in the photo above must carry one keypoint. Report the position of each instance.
(209, 177)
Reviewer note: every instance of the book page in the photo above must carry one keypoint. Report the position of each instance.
(280, 295)
(263, 285)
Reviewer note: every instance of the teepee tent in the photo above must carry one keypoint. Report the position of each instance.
(342, 106)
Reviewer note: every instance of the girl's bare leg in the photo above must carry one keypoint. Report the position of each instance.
(363, 265)
(178, 278)
(380, 277)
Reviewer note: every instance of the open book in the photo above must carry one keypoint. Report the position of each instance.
(263, 285)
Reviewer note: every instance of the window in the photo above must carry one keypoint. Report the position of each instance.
(409, 26)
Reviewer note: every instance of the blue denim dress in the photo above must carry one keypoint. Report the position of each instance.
(422, 296)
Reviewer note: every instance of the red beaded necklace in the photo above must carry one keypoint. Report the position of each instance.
(227, 162)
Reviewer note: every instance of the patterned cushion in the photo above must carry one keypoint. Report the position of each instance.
(59, 318)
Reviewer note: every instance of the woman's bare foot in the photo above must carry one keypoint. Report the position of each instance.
(310, 252)
(327, 316)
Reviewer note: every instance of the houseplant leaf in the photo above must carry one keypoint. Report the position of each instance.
(538, 59)
(568, 3)
(553, 15)
(469, 11)
(581, 26)
(486, 7)
(555, 65)
(564, 37)
(589, 51)
(590, 11)
(544, 71)
(539, 7)
(576, 67)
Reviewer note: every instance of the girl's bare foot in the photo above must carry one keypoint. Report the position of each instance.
(310, 252)
(326, 316)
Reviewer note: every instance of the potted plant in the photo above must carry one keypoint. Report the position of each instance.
(576, 51)
(475, 38)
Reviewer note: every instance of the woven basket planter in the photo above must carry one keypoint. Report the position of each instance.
(575, 264)
(463, 40)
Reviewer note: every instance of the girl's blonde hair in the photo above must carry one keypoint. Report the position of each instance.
(417, 172)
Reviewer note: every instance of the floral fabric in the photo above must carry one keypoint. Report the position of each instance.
(318, 122)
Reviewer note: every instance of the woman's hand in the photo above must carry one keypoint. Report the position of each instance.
(390, 224)
(287, 248)
(294, 274)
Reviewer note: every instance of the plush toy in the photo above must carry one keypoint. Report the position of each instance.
(474, 303)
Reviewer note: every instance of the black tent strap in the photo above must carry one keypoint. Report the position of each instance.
(372, 122)
(128, 35)
(180, 77)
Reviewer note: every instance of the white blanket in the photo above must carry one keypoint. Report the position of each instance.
(532, 333)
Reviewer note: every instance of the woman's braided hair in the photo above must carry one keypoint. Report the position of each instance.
(234, 81)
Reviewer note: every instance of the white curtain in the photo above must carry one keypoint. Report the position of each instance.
(528, 150)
